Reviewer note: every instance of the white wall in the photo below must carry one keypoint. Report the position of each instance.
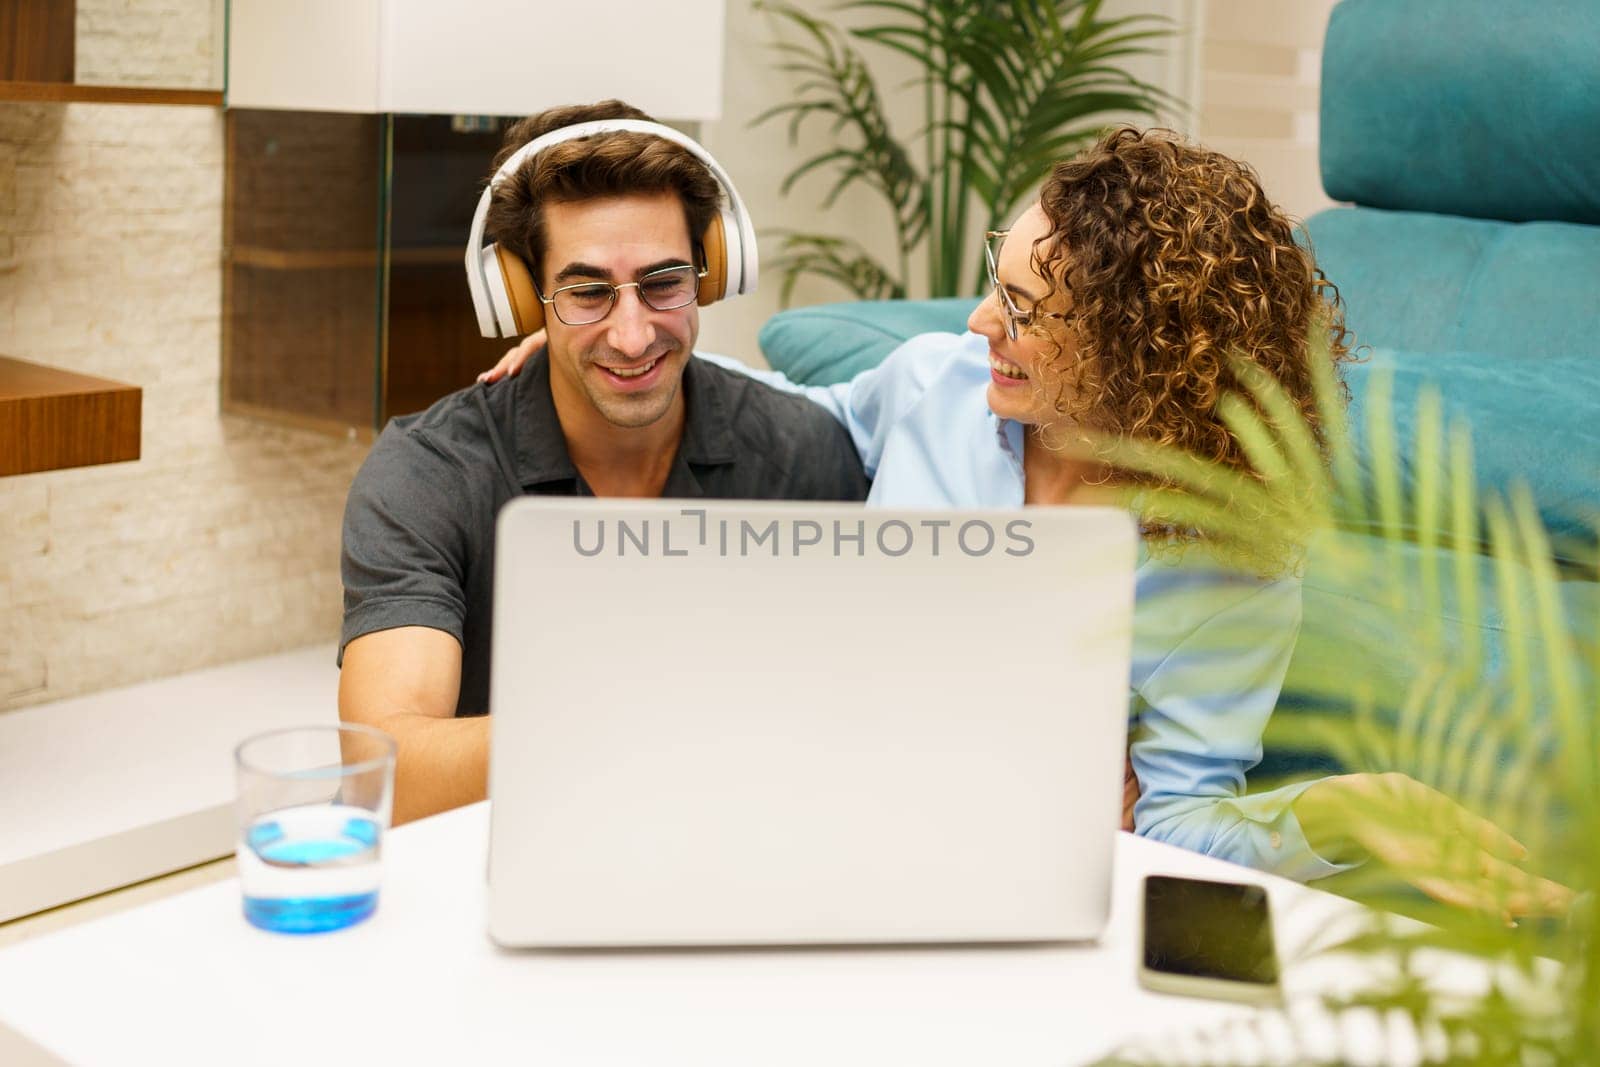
(488, 57)
(1260, 65)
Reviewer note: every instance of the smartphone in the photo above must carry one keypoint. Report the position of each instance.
(1208, 939)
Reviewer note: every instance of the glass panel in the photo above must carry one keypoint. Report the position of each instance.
(432, 346)
(302, 277)
(319, 328)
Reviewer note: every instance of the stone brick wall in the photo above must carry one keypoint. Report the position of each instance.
(221, 542)
(174, 44)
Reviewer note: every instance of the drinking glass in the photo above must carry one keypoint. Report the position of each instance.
(313, 803)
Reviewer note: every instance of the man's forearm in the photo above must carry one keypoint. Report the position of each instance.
(405, 681)
(442, 763)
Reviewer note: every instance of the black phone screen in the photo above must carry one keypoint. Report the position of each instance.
(1208, 930)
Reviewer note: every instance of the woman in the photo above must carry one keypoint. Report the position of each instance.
(1119, 299)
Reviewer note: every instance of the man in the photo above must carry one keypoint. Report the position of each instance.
(615, 406)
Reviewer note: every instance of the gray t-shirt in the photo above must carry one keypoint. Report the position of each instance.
(419, 522)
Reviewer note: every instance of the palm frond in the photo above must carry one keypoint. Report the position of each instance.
(1009, 88)
(844, 90)
(839, 260)
(1411, 687)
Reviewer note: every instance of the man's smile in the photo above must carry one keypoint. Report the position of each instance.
(632, 372)
(634, 377)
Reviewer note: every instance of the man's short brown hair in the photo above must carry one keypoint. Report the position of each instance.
(607, 164)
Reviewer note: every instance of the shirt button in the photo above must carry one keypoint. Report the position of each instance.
(1275, 839)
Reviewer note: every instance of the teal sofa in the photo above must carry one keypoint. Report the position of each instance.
(1465, 137)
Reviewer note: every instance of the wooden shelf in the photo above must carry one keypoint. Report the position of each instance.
(336, 258)
(51, 419)
(70, 92)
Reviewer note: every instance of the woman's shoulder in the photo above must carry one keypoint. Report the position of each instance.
(933, 363)
(1190, 586)
(935, 353)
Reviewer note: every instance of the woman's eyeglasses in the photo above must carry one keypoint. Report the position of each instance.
(1016, 317)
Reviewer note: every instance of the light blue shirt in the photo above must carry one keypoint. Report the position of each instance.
(1210, 648)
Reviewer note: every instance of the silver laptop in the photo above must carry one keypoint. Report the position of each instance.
(721, 723)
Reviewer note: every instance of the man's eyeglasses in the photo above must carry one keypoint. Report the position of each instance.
(586, 303)
(1016, 318)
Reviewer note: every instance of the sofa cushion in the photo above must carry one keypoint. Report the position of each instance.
(1365, 611)
(1534, 421)
(1363, 614)
(832, 343)
(1464, 107)
(1433, 282)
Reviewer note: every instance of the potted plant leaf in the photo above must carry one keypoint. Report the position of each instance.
(1502, 720)
(1007, 88)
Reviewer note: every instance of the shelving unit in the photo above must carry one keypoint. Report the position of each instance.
(70, 93)
(39, 63)
(291, 259)
(51, 419)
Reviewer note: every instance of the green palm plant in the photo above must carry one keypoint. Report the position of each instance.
(1413, 689)
(1007, 88)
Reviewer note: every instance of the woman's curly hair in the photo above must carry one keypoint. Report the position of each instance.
(1177, 264)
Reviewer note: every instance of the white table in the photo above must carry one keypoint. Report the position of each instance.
(105, 790)
(186, 981)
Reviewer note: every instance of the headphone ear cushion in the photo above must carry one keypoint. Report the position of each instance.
(527, 311)
(714, 246)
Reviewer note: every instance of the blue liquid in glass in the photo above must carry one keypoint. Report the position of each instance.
(310, 869)
(309, 915)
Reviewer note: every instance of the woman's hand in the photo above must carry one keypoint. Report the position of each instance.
(510, 364)
(1432, 842)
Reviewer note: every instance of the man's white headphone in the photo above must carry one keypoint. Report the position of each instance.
(503, 292)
